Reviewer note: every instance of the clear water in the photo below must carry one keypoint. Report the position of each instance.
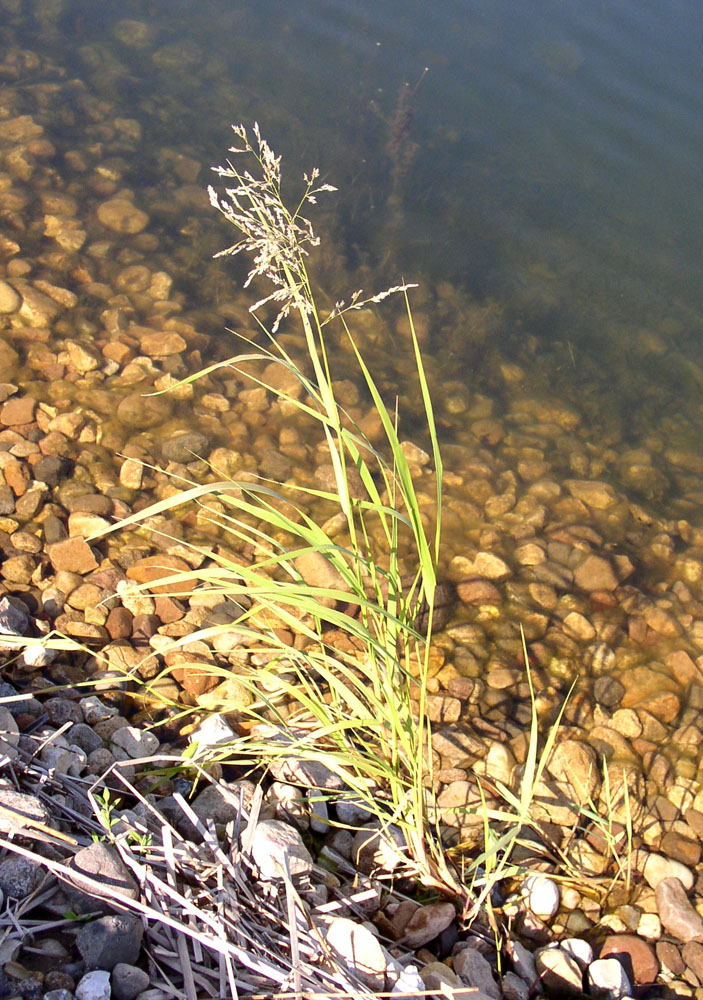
(546, 165)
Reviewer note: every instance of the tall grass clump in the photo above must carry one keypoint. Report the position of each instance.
(346, 703)
(355, 707)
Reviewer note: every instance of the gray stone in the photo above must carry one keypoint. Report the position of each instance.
(84, 737)
(114, 938)
(94, 986)
(108, 878)
(607, 979)
(128, 981)
(19, 811)
(13, 620)
(475, 970)
(277, 847)
(360, 951)
(676, 913)
(19, 876)
(130, 743)
(9, 733)
(515, 988)
(523, 960)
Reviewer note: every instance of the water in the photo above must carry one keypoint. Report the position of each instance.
(556, 167)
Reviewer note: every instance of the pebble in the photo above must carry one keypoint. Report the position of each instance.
(541, 895)
(427, 923)
(559, 973)
(128, 981)
(676, 913)
(277, 847)
(94, 986)
(607, 979)
(637, 957)
(108, 940)
(359, 949)
(122, 216)
(475, 970)
(108, 876)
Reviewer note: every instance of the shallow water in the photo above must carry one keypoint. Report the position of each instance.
(538, 180)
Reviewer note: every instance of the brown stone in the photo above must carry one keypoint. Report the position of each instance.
(478, 592)
(119, 623)
(153, 568)
(692, 954)
(17, 476)
(18, 410)
(74, 555)
(122, 216)
(637, 957)
(595, 573)
(168, 609)
(682, 668)
(681, 848)
(670, 958)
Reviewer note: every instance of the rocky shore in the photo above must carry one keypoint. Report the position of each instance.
(553, 525)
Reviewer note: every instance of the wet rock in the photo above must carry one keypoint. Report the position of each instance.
(636, 956)
(18, 410)
(114, 938)
(9, 362)
(575, 766)
(607, 979)
(122, 216)
(359, 950)
(277, 847)
(142, 411)
(677, 914)
(596, 573)
(108, 877)
(185, 447)
(427, 923)
(10, 300)
(478, 592)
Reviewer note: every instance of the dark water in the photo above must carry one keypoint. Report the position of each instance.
(542, 158)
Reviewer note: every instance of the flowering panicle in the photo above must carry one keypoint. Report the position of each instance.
(276, 238)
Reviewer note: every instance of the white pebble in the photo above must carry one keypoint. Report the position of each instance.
(608, 979)
(541, 895)
(94, 986)
(578, 949)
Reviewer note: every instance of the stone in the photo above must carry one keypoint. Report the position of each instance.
(108, 940)
(135, 743)
(140, 412)
(608, 980)
(523, 961)
(670, 958)
(277, 847)
(309, 773)
(594, 493)
(595, 573)
(84, 737)
(541, 895)
(185, 447)
(636, 956)
(478, 591)
(439, 979)
(677, 914)
(108, 876)
(9, 362)
(656, 868)
(692, 954)
(73, 555)
(426, 923)
(128, 981)
(19, 876)
(13, 619)
(18, 410)
(375, 850)
(10, 300)
(94, 986)
(223, 803)
(151, 569)
(19, 811)
(515, 988)
(122, 216)
(575, 766)
(475, 970)
(359, 950)
(162, 343)
(559, 972)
